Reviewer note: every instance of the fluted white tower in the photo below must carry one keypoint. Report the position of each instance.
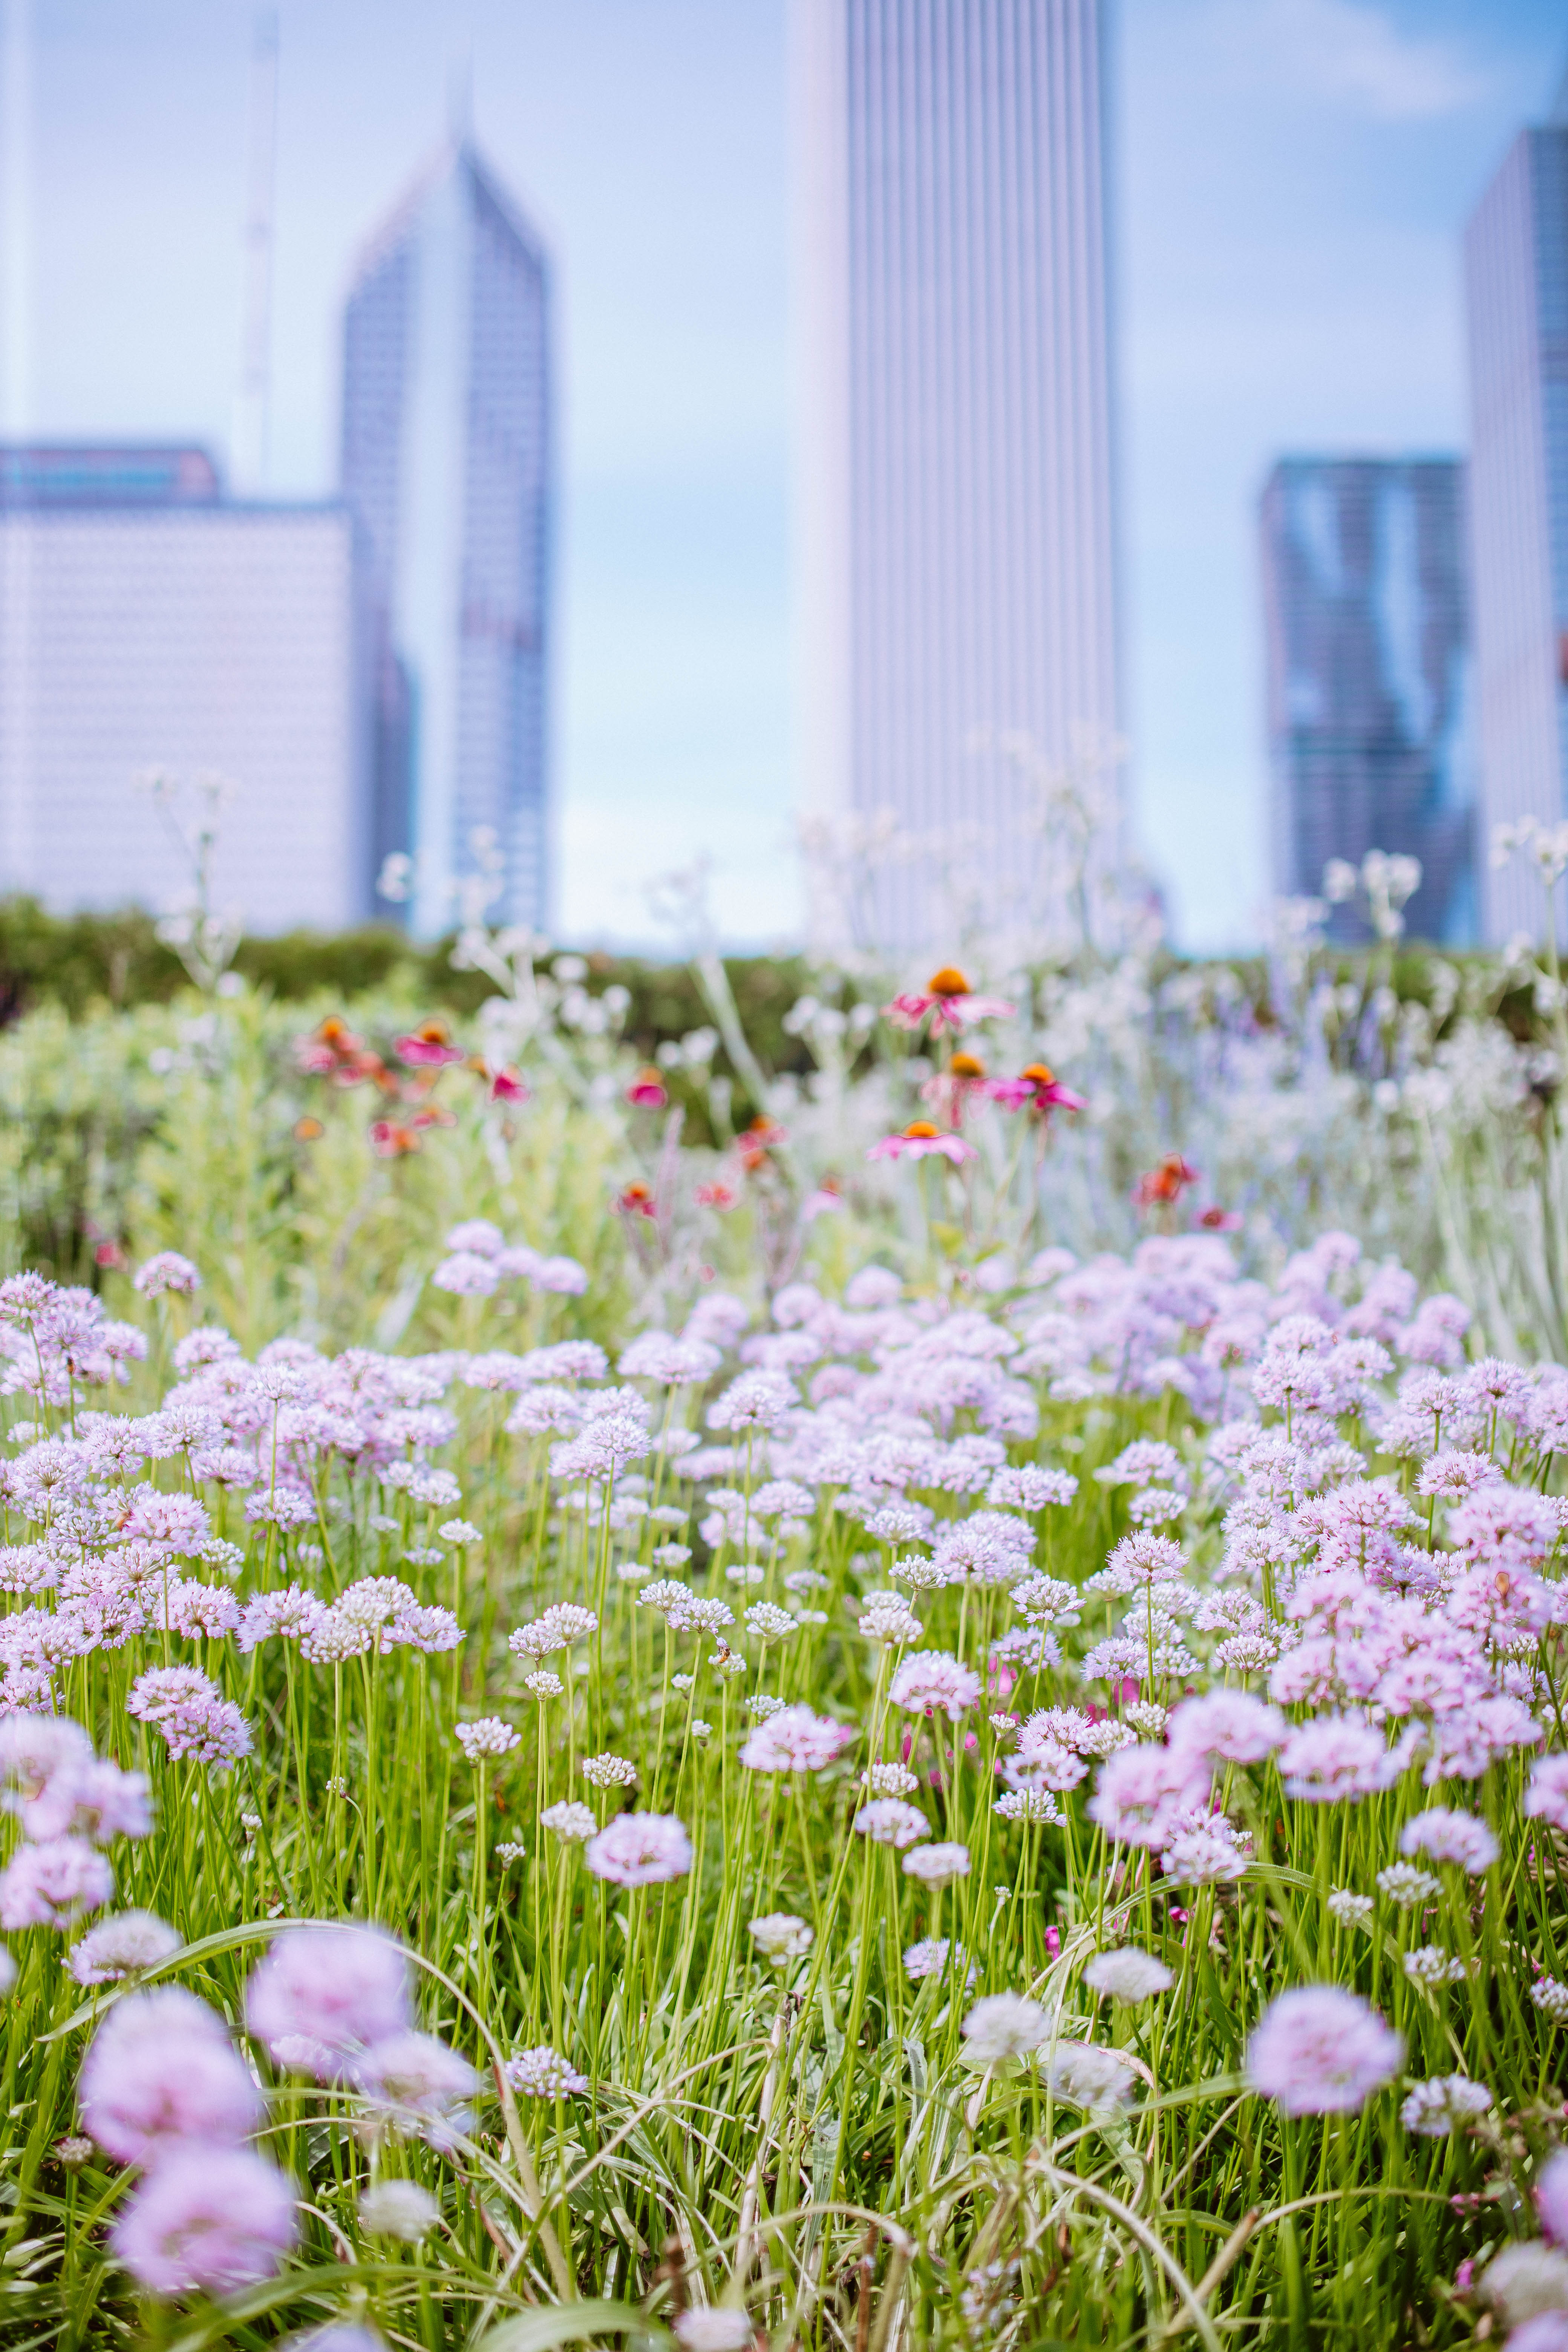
(958, 612)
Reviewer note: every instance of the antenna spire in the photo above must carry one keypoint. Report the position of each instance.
(248, 454)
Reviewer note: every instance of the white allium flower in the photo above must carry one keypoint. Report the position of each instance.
(1444, 2103)
(568, 1822)
(1029, 1804)
(1430, 1964)
(713, 2330)
(543, 2073)
(543, 1684)
(892, 1780)
(937, 1864)
(609, 1771)
(1004, 2025)
(460, 1531)
(1447, 1835)
(1403, 1884)
(921, 1574)
(1088, 2077)
(888, 1617)
(671, 1555)
(888, 1821)
(768, 1622)
(928, 1958)
(1551, 1999)
(1129, 1975)
(485, 1738)
(780, 1936)
(1146, 1718)
(509, 1850)
(399, 2208)
(1104, 1738)
(1354, 1910)
(1525, 2281)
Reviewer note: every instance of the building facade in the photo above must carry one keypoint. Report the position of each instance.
(145, 624)
(1516, 306)
(1370, 737)
(447, 461)
(957, 617)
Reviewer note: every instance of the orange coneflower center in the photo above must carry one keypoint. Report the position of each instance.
(1039, 1076)
(948, 982)
(919, 1129)
(431, 1033)
(967, 1066)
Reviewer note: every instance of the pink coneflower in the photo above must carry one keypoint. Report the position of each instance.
(507, 1087)
(648, 1090)
(950, 1003)
(1320, 2050)
(919, 1141)
(1221, 1221)
(1036, 1088)
(1163, 1186)
(715, 1196)
(429, 1047)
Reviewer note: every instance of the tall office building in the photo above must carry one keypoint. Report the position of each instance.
(1368, 651)
(146, 622)
(446, 460)
(957, 557)
(1516, 304)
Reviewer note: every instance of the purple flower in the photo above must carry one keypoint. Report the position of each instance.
(1320, 2050)
(90, 1799)
(165, 1271)
(929, 1679)
(1551, 2196)
(211, 2218)
(191, 1713)
(1546, 1798)
(323, 1993)
(1231, 1724)
(888, 1821)
(1450, 1836)
(412, 2082)
(794, 1740)
(1337, 1757)
(1142, 1792)
(639, 1849)
(52, 1885)
(161, 2070)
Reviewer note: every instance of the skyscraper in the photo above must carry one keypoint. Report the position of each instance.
(446, 460)
(957, 573)
(1516, 305)
(146, 622)
(1368, 652)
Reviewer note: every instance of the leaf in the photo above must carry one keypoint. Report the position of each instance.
(575, 2322)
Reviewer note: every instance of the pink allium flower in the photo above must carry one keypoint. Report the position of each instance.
(1446, 1835)
(120, 1947)
(207, 2219)
(938, 1863)
(412, 2082)
(162, 2071)
(1335, 1758)
(166, 1271)
(466, 1275)
(1505, 1527)
(921, 1140)
(1231, 1724)
(1547, 2332)
(542, 2073)
(888, 1821)
(1546, 1798)
(323, 1993)
(930, 1679)
(50, 1886)
(1143, 1793)
(639, 1849)
(191, 1713)
(794, 1740)
(92, 1800)
(33, 1749)
(1551, 2196)
(1320, 2050)
(478, 1235)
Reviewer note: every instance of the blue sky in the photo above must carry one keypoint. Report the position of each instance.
(1291, 177)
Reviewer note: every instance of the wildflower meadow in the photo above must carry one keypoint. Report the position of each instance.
(915, 1705)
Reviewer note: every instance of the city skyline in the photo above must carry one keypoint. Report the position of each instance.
(1291, 181)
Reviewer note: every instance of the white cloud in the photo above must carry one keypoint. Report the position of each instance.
(1352, 54)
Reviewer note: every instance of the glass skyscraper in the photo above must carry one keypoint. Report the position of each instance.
(1368, 679)
(447, 461)
(1516, 305)
(957, 581)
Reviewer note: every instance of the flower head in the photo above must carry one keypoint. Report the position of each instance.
(399, 2208)
(1128, 1975)
(322, 1994)
(543, 2073)
(781, 1936)
(205, 2218)
(794, 1739)
(1004, 2025)
(1319, 2050)
(641, 1849)
(161, 2072)
(921, 1140)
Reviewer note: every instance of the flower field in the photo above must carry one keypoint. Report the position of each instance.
(934, 1722)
